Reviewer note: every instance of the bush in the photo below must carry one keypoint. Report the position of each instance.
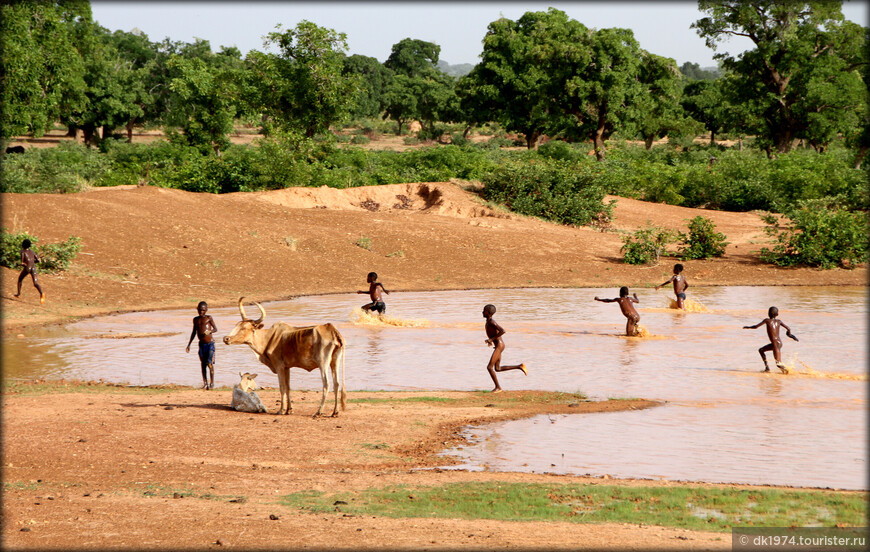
(553, 191)
(53, 257)
(820, 234)
(703, 240)
(646, 245)
(360, 139)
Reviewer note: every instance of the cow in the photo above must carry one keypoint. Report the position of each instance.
(283, 346)
(245, 398)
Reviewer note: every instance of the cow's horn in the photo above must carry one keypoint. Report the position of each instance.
(262, 313)
(242, 309)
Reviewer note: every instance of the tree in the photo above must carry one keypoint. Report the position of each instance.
(657, 108)
(413, 57)
(401, 101)
(601, 87)
(202, 103)
(802, 78)
(517, 76)
(419, 90)
(42, 68)
(375, 80)
(704, 101)
(114, 89)
(302, 87)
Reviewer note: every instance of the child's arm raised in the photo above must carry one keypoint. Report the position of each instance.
(753, 327)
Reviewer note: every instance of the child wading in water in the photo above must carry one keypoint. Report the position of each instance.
(680, 285)
(204, 327)
(374, 291)
(773, 324)
(28, 262)
(625, 304)
(493, 337)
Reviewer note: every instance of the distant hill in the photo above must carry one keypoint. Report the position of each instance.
(458, 70)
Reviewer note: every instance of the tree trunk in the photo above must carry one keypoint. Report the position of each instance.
(107, 132)
(740, 143)
(72, 131)
(862, 152)
(399, 129)
(713, 138)
(532, 139)
(130, 131)
(90, 135)
(783, 140)
(648, 142)
(467, 130)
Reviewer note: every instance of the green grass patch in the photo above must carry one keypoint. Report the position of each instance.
(20, 486)
(54, 387)
(424, 399)
(695, 508)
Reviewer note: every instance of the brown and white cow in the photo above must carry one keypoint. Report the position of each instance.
(283, 346)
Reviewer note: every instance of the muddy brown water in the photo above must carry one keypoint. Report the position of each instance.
(724, 421)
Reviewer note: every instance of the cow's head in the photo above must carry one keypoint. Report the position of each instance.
(244, 330)
(248, 384)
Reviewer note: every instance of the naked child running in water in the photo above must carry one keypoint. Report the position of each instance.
(773, 324)
(493, 337)
(628, 310)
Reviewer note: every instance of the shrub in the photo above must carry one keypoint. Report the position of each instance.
(557, 149)
(646, 245)
(360, 139)
(550, 190)
(703, 240)
(53, 257)
(820, 234)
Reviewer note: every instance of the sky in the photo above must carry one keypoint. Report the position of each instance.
(661, 27)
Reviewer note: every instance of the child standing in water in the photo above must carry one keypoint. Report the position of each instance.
(773, 324)
(28, 263)
(204, 327)
(374, 291)
(628, 310)
(680, 285)
(493, 337)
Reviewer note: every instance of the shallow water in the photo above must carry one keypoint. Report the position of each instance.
(724, 420)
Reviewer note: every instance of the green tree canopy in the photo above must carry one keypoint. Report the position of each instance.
(43, 70)
(302, 86)
(801, 80)
(375, 80)
(413, 57)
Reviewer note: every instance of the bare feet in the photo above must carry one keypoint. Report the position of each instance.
(17, 295)
(766, 369)
(782, 367)
(523, 368)
(42, 299)
(497, 390)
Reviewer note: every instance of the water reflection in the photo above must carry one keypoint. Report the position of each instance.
(722, 411)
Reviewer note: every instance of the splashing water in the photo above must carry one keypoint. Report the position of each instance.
(359, 317)
(690, 305)
(797, 367)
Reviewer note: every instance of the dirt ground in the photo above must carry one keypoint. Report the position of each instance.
(92, 470)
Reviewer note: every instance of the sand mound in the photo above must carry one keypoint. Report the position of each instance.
(440, 198)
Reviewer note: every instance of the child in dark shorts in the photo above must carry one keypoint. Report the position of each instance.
(204, 327)
(680, 285)
(628, 310)
(374, 291)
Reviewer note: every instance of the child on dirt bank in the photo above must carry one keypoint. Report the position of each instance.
(773, 324)
(28, 263)
(374, 291)
(680, 285)
(204, 327)
(625, 303)
(493, 337)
